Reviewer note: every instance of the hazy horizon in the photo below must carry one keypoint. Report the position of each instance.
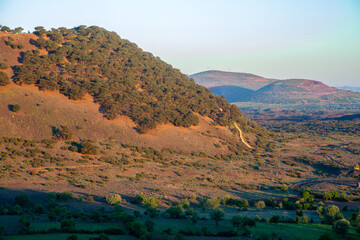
(280, 39)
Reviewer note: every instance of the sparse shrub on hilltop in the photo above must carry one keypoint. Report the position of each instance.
(123, 79)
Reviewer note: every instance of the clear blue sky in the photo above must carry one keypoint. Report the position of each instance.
(273, 38)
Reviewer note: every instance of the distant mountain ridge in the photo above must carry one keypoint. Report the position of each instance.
(259, 92)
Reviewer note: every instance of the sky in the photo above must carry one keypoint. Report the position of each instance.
(282, 39)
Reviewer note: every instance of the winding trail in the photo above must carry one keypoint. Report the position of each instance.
(242, 137)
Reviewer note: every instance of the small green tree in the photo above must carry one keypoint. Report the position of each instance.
(217, 215)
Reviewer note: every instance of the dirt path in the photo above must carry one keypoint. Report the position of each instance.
(242, 137)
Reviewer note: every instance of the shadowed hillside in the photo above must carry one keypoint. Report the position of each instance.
(232, 93)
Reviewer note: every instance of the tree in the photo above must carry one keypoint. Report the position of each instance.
(260, 205)
(329, 213)
(298, 219)
(341, 226)
(18, 30)
(217, 215)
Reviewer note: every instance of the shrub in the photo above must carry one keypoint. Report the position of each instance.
(284, 188)
(87, 147)
(14, 108)
(62, 133)
(148, 202)
(114, 199)
(175, 212)
(3, 66)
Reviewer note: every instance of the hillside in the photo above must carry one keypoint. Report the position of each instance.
(119, 76)
(287, 94)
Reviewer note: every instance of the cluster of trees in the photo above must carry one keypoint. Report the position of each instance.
(122, 78)
(7, 29)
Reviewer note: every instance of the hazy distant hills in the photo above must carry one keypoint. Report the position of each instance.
(251, 91)
(213, 78)
(349, 88)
